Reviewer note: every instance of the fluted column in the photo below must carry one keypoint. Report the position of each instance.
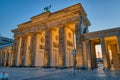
(22, 52)
(18, 51)
(106, 65)
(94, 62)
(89, 58)
(33, 48)
(62, 47)
(38, 49)
(12, 56)
(15, 52)
(5, 58)
(27, 51)
(79, 46)
(47, 48)
(118, 37)
(2, 57)
(119, 49)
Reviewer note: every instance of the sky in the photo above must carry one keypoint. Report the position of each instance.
(103, 14)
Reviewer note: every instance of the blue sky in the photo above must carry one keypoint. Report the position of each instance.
(103, 14)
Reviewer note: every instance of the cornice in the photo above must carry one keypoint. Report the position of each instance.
(103, 33)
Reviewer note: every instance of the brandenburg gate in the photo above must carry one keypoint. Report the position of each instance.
(48, 39)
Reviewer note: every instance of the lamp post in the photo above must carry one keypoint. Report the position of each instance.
(74, 58)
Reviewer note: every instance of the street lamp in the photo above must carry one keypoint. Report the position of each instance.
(74, 58)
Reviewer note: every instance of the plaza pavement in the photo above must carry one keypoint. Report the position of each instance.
(22, 73)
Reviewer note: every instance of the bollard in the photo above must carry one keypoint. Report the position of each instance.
(4, 76)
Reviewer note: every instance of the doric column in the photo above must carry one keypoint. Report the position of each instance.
(33, 48)
(118, 44)
(62, 47)
(22, 52)
(47, 48)
(119, 49)
(79, 46)
(5, 58)
(89, 58)
(93, 54)
(18, 51)
(27, 51)
(106, 65)
(2, 57)
(39, 49)
(12, 56)
(15, 52)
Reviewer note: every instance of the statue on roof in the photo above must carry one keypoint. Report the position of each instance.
(47, 8)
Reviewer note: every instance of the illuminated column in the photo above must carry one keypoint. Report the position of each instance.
(5, 58)
(47, 48)
(18, 51)
(105, 56)
(15, 55)
(27, 51)
(37, 59)
(53, 52)
(39, 50)
(2, 57)
(33, 48)
(88, 51)
(62, 47)
(85, 54)
(94, 62)
(118, 37)
(118, 50)
(22, 52)
(10, 58)
(79, 46)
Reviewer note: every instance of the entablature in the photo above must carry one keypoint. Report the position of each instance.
(48, 19)
(103, 33)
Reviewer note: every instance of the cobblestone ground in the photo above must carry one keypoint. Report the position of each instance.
(20, 73)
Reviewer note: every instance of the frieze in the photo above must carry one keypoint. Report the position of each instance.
(100, 34)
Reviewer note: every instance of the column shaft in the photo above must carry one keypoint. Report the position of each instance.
(18, 51)
(105, 56)
(33, 48)
(89, 58)
(119, 49)
(47, 48)
(22, 53)
(62, 47)
(93, 55)
(5, 58)
(27, 51)
(79, 46)
(15, 58)
(118, 44)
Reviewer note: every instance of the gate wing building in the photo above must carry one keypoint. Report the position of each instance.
(6, 51)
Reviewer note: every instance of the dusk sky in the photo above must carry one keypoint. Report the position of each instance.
(103, 14)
